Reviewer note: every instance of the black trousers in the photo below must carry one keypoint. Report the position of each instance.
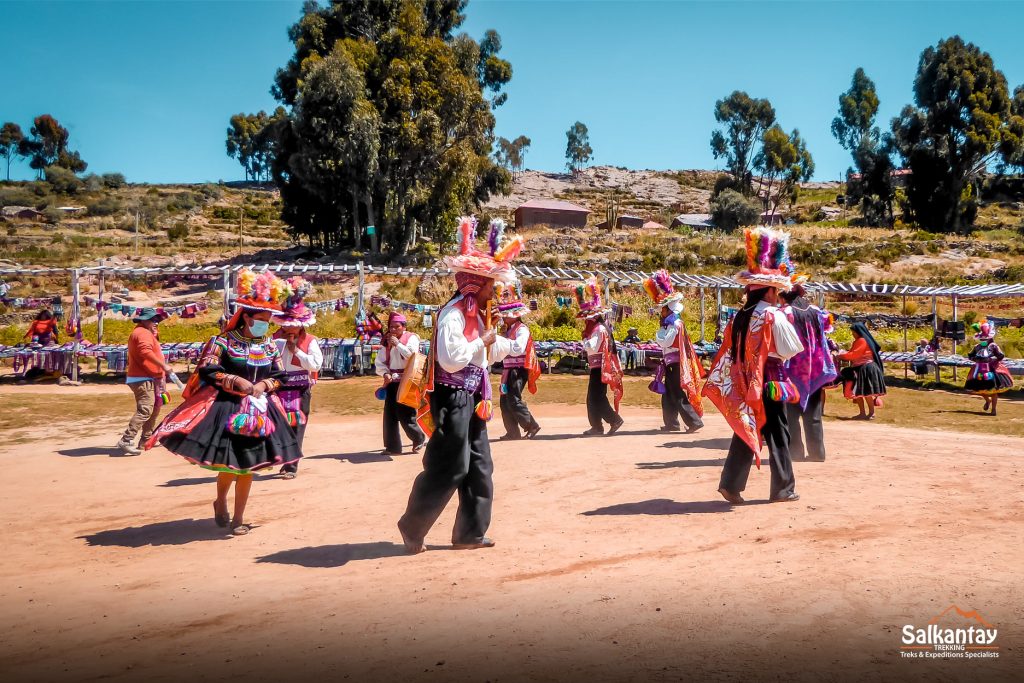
(675, 404)
(598, 406)
(741, 457)
(814, 433)
(457, 458)
(300, 431)
(514, 411)
(396, 414)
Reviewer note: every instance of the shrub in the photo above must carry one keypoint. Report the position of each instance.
(53, 216)
(17, 196)
(722, 183)
(92, 183)
(114, 181)
(178, 231)
(63, 181)
(107, 205)
(732, 210)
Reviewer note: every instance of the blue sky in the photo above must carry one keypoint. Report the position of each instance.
(147, 88)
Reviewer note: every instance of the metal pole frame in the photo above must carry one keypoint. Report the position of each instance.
(99, 317)
(76, 316)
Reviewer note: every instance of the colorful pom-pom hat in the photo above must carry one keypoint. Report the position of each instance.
(768, 263)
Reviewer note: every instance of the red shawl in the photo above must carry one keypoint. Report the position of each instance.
(532, 365)
(611, 369)
(735, 388)
(690, 369)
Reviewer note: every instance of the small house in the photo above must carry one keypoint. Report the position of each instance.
(553, 212)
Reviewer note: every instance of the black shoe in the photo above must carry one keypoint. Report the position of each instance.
(593, 432)
(532, 431)
(509, 437)
(787, 499)
(417, 447)
(482, 543)
(693, 430)
(666, 428)
(615, 427)
(734, 498)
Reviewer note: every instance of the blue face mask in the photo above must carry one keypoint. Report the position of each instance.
(259, 328)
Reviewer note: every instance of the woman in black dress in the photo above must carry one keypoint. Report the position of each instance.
(235, 424)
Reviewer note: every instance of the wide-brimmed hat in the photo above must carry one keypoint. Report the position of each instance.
(661, 290)
(510, 300)
(295, 313)
(149, 314)
(588, 297)
(493, 264)
(768, 263)
(262, 292)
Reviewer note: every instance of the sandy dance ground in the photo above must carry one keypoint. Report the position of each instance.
(616, 560)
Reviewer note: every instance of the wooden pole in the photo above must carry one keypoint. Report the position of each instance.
(935, 332)
(226, 286)
(99, 319)
(136, 233)
(359, 268)
(702, 314)
(77, 320)
(954, 338)
(906, 367)
(241, 216)
(718, 310)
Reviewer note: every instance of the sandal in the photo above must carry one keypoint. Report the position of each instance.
(240, 529)
(221, 520)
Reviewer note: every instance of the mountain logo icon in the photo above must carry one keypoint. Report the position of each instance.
(972, 614)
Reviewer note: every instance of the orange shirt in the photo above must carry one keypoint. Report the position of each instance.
(859, 353)
(144, 356)
(39, 328)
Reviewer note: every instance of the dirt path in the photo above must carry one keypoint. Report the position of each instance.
(616, 560)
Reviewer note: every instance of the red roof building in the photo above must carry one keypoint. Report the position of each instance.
(553, 212)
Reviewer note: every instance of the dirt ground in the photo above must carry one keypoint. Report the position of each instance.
(616, 560)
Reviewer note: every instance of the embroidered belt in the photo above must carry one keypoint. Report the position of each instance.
(515, 362)
(595, 361)
(470, 378)
(297, 379)
(670, 357)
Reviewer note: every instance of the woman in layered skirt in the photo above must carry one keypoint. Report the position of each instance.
(989, 376)
(234, 424)
(864, 380)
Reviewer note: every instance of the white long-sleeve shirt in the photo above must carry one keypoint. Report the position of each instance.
(398, 356)
(454, 351)
(785, 339)
(666, 336)
(592, 345)
(310, 361)
(519, 342)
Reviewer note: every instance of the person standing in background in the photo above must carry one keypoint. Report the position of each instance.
(399, 346)
(301, 359)
(147, 369)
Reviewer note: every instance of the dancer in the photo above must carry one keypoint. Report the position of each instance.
(520, 367)
(458, 457)
(864, 379)
(602, 359)
(301, 359)
(680, 370)
(236, 425)
(399, 346)
(747, 381)
(989, 376)
(811, 371)
(147, 369)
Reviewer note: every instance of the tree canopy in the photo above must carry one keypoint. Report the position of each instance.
(960, 121)
(577, 149)
(11, 139)
(744, 120)
(251, 139)
(391, 121)
(48, 146)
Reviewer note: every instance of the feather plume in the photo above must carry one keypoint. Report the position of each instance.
(244, 283)
(496, 234)
(510, 251)
(467, 235)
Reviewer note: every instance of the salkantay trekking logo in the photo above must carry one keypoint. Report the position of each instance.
(949, 637)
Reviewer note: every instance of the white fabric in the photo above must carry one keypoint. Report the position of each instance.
(785, 341)
(310, 362)
(454, 351)
(666, 336)
(517, 344)
(400, 355)
(676, 307)
(592, 344)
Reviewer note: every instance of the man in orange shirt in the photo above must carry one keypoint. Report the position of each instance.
(146, 371)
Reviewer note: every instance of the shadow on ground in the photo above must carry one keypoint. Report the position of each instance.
(325, 556)
(177, 532)
(664, 506)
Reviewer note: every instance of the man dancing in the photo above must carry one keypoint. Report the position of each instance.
(399, 347)
(521, 367)
(458, 457)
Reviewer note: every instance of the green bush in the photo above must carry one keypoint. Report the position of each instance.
(731, 210)
(106, 205)
(114, 181)
(18, 196)
(178, 231)
(63, 181)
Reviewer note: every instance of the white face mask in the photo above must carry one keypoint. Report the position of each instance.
(259, 328)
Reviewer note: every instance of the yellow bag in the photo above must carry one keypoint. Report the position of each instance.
(410, 389)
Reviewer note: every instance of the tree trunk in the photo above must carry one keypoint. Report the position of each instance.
(355, 214)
